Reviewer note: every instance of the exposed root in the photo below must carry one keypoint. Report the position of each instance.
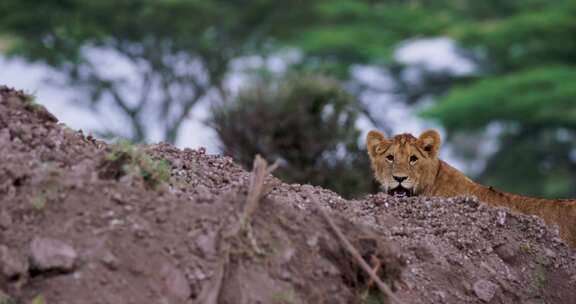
(255, 192)
(383, 287)
(210, 294)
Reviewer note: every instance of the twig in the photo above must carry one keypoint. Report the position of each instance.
(274, 166)
(350, 248)
(377, 265)
(259, 171)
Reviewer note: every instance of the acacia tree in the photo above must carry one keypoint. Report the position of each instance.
(169, 55)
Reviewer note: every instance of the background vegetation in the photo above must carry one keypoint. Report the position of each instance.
(520, 96)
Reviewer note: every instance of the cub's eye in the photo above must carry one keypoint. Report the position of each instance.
(390, 157)
(413, 158)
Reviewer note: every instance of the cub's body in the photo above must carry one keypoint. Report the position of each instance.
(407, 166)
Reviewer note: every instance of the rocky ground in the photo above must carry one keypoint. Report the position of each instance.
(82, 221)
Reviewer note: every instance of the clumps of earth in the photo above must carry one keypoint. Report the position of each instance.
(83, 221)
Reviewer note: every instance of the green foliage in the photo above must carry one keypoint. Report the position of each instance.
(541, 97)
(374, 297)
(533, 161)
(338, 34)
(307, 122)
(526, 248)
(6, 299)
(526, 38)
(39, 299)
(525, 56)
(39, 201)
(540, 277)
(283, 297)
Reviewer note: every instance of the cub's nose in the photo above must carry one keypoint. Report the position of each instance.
(400, 178)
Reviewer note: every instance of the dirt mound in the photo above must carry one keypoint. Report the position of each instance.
(86, 222)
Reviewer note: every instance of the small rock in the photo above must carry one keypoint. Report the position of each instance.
(284, 275)
(51, 254)
(501, 220)
(12, 265)
(484, 290)
(5, 220)
(423, 252)
(507, 252)
(313, 240)
(116, 222)
(440, 295)
(286, 255)
(198, 274)
(206, 243)
(176, 281)
(109, 260)
(203, 194)
(549, 253)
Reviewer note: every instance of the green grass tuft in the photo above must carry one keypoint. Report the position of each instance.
(39, 299)
(39, 201)
(153, 172)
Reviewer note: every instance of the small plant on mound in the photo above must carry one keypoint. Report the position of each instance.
(39, 299)
(283, 297)
(6, 299)
(125, 158)
(38, 202)
(29, 98)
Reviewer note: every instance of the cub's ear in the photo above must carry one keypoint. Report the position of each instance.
(373, 141)
(430, 142)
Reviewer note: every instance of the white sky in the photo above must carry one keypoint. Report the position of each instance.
(434, 54)
(32, 78)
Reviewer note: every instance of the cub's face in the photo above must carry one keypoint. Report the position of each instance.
(404, 165)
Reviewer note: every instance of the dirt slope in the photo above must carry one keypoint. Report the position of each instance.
(85, 222)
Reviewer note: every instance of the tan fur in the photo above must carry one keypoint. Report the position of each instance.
(430, 176)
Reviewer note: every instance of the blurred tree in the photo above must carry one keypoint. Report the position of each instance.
(524, 54)
(307, 122)
(168, 54)
(337, 36)
(523, 50)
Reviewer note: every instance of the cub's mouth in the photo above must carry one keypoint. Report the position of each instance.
(400, 192)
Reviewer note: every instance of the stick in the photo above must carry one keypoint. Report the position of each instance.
(259, 171)
(350, 248)
(255, 191)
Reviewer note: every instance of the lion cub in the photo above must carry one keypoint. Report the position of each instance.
(409, 166)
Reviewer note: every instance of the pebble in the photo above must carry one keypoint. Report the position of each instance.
(549, 253)
(507, 252)
(12, 265)
(484, 290)
(501, 217)
(5, 220)
(176, 282)
(206, 244)
(52, 254)
(109, 260)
